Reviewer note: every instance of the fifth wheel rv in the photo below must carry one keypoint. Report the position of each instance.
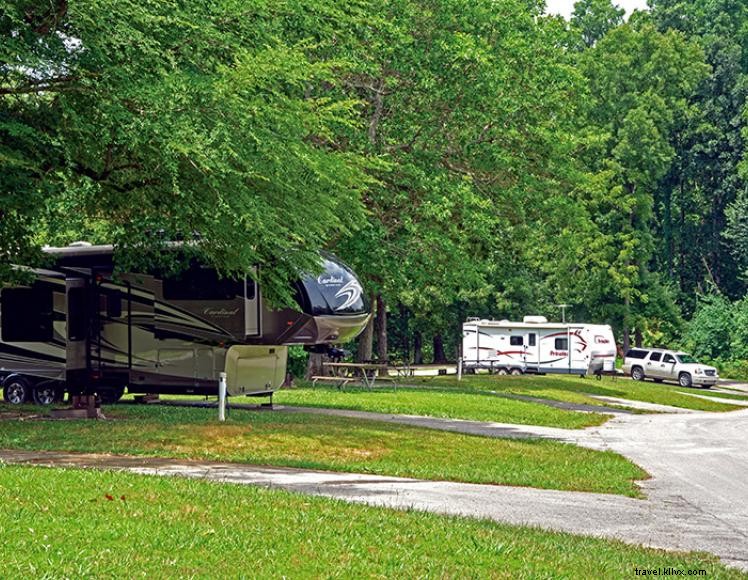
(537, 346)
(78, 328)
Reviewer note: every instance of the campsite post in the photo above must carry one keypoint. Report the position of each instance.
(222, 397)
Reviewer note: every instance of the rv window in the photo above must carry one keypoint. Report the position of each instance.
(636, 354)
(531, 339)
(562, 344)
(114, 304)
(27, 314)
(200, 283)
(516, 340)
(251, 289)
(79, 313)
(655, 356)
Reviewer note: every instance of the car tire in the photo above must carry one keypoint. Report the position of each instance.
(46, 395)
(16, 390)
(516, 372)
(685, 380)
(637, 373)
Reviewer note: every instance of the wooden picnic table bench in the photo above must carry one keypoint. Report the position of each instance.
(348, 372)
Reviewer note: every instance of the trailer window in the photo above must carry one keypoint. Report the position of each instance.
(562, 344)
(27, 314)
(531, 339)
(516, 340)
(200, 283)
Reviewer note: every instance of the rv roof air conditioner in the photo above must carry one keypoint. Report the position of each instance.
(80, 244)
(535, 320)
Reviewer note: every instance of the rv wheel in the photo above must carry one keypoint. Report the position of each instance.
(502, 372)
(45, 395)
(16, 390)
(516, 372)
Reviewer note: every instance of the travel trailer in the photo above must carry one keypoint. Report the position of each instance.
(77, 327)
(537, 346)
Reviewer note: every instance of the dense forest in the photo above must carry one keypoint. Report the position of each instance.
(466, 158)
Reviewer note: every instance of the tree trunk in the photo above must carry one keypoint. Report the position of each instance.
(439, 356)
(638, 337)
(314, 366)
(626, 339)
(417, 348)
(381, 329)
(366, 343)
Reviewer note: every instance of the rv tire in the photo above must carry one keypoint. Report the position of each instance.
(516, 372)
(684, 380)
(502, 371)
(637, 373)
(46, 395)
(16, 390)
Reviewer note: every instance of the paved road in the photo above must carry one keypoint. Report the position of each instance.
(697, 498)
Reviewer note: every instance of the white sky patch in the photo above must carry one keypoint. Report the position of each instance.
(566, 7)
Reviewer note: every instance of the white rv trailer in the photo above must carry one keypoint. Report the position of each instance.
(77, 327)
(537, 346)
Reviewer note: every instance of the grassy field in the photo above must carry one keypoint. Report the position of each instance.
(578, 390)
(70, 523)
(331, 443)
(472, 405)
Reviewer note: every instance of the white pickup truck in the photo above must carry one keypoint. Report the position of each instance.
(668, 365)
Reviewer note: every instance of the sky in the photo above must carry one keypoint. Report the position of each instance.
(565, 7)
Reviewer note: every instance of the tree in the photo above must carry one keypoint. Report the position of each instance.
(463, 104)
(640, 84)
(705, 179)
(139, 122)
(594, 18)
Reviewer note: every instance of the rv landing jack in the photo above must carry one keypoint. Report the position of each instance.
(83, 407)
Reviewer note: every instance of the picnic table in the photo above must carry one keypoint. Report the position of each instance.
(343, 373)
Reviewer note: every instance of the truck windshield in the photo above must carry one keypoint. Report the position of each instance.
(686, 359)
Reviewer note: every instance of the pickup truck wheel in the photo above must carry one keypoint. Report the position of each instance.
(16, 390)
(684, 380)
(637, 373)
(45, 395)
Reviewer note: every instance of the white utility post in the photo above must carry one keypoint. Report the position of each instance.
(459, 369)
(222, 397)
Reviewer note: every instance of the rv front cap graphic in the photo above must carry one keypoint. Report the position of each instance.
(352, 292)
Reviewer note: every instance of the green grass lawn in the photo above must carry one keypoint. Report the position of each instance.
(62, 523)
(331, 443)
(715, 394)
(472, 405)
(578, 390)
